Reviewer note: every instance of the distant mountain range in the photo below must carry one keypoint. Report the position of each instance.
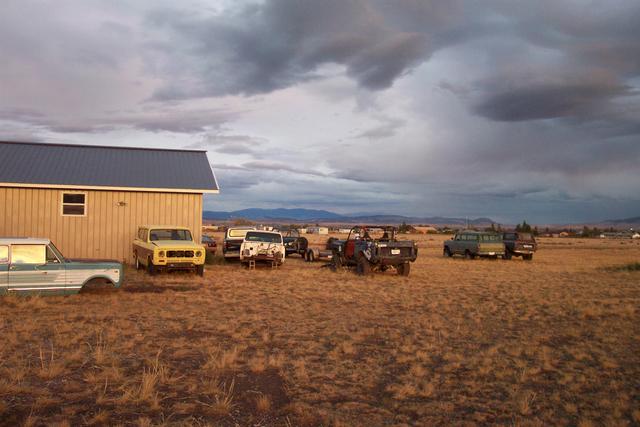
(634, 220)
(313, 215)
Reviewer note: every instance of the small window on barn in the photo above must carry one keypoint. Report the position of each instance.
(74, 204)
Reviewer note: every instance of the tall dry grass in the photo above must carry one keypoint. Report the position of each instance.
(555, 341)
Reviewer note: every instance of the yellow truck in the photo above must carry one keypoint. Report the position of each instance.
(158, 248)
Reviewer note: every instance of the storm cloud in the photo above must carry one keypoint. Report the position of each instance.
(497, 108)
(261, 48)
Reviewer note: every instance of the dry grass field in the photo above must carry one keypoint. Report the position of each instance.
(555, 341)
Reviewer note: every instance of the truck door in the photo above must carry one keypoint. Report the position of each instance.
(4, 268)
(474, 243)
(29, 271)
(462, 245)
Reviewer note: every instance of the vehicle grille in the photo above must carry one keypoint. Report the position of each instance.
(180, 254)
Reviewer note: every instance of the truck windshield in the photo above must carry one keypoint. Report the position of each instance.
(169, 234)
(256, 236)
(490, 238)
(525, 236)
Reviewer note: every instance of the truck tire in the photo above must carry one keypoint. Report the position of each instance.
(303, 245)
(151, 268)
(336, 262)
(507, 254)
(311, 257)
(200, 270)
(136, 261)
(468, 254)
(527, 257)
(363, 268)
(447, 252)
(403, 269)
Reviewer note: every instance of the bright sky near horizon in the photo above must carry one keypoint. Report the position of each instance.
(502, 109)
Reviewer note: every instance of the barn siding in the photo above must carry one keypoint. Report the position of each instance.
(107, 230)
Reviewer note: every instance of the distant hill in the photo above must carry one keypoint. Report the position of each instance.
(635, 220)
(626, 222)
(313, 215)
(273, 214)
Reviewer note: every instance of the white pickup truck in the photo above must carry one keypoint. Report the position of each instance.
(262, 246)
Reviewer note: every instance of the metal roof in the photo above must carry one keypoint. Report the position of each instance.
(30, 164)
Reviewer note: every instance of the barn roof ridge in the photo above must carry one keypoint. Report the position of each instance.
(116, 147)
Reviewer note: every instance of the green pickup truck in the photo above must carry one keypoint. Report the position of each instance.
(472, 244)
(36, 266)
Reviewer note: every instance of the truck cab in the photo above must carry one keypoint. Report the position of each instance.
(162, 247)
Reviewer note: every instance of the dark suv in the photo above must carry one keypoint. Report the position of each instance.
(519, 244)
(294, 243)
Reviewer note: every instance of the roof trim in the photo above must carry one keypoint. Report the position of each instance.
(58, 144)
(106, 188)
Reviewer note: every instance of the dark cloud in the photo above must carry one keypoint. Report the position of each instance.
(547, 101)
(571, 61)
(261, 48)
(421, 107)
(378, 66)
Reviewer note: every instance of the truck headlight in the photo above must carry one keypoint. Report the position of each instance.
(161, 254)
(198, 253)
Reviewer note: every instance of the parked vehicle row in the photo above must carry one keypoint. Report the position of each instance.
(36, 265)
(472, 244)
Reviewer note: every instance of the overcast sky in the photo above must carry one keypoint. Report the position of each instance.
(507, 109)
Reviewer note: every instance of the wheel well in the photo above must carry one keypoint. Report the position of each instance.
(99, 280)
(98, 284)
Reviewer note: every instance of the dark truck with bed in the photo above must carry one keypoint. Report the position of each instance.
(517, 243)
(368, 254)
(294, 243)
